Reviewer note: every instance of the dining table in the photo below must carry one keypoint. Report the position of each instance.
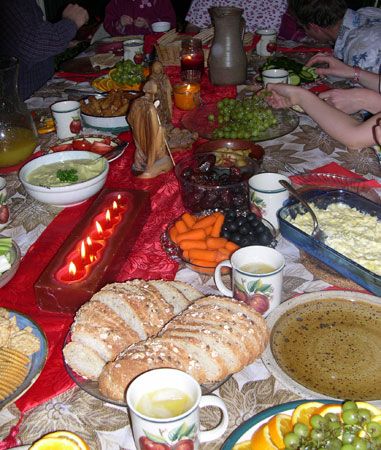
(55, 402)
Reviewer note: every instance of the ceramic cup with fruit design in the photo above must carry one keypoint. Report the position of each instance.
(164, 407)
(266, 44)
(67, 118)
(267, 196)
(4, 210)
(257, 277)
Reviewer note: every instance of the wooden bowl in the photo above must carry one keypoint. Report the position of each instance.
(256, 151)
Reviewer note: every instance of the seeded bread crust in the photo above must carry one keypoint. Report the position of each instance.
(119, 315)
(208, 333)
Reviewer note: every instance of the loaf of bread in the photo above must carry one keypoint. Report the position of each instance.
(213, 338)
(119, 315)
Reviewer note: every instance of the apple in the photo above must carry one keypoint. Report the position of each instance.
(75, 126)
(259, 302)
(4, 214)
(184, 444)
(147, 444)
(254, 209)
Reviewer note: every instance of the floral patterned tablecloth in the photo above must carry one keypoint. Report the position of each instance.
(104, 426)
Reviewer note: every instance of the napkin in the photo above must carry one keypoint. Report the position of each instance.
(80, 77)
(350, 179)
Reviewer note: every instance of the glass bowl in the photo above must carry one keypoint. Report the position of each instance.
(208, 183)
(15, 262)
(175, 252)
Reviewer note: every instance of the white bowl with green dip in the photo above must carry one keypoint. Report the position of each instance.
(64, 178)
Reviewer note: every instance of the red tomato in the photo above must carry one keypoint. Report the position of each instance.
(61, 147)
(81, 144)
(106, 140)
(100, 147)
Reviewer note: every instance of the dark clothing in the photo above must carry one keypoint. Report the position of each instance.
(33, 41)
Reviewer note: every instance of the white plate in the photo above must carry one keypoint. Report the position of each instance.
(115, 124)
(328, 342)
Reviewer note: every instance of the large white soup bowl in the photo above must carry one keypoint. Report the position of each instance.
(63, 196)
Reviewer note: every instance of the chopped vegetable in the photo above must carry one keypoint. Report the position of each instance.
(5, 246)
(67, 175)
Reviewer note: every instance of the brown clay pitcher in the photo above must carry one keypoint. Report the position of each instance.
(227, 58)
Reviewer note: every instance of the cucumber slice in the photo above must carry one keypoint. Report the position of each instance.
(294, 79)
(307, 76)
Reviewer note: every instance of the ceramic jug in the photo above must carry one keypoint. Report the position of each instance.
(227, 59)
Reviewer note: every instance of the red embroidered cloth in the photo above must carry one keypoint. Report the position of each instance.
(147, 259)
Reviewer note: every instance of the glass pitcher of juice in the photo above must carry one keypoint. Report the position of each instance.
(18, 135)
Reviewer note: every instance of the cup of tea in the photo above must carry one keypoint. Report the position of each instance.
(266, 44)
(67, 118)
(164, 407)
(257, 277)
(267, 195)
(274, 76)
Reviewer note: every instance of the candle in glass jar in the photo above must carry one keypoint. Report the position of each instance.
(191, 60)
(186, 95)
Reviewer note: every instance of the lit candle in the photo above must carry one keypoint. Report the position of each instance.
(115, 207)
(108, 217)
(72, 270)
(99, 229)
(186, 95)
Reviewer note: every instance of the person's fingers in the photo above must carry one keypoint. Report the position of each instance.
(324, 95)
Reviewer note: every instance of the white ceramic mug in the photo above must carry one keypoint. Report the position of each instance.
(3, 191)
(257, 277)
(266, 37)
(132, 47)
(274, 76)
(67, 118)
(267, 195)
(181, 431)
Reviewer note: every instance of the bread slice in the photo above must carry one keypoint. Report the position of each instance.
(83, 360)
(188, 291)
(172, 295)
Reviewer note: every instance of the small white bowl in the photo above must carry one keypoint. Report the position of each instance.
(15, 262)
(115, 123)
(63, 196)
(161, 27)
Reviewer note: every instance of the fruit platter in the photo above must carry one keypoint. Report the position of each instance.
(310, 425)
(126, 76)
(203, 240)
(92, 143)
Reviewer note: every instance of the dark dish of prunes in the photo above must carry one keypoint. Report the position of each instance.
(247, 229)
(207, 185)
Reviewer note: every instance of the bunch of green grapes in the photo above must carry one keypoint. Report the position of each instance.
(127, 72)
(242, 119)
(354, 430)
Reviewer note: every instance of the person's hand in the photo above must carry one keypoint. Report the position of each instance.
(335, 67)
(352, 100)
(140, 22)
(377, 132)
(76, 14)
(282, 95)
(126, 20)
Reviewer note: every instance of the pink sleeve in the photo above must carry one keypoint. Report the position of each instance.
(112, 17)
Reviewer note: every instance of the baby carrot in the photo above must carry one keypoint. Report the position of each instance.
(231, 246)
(208, 230)
(181, 226)
(187, 244)
(225, 252)
(207, 255)
(216, 230)
(203, 263)
(188, 219)
(205, 222)
(186, 254)
(215, 242)
(221, 257)
(195, 235)
(173, 234)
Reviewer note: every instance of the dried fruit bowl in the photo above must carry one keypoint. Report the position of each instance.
(208, 184)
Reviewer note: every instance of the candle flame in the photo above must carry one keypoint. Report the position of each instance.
(119, 197)
(114, 205)
(93, 258)
(89, 241)
(72, 268)
(98, 227)
(83, 250)
(108, 215)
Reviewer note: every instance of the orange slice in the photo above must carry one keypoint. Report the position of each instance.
(261, 439)
(304, 412)
(279, 426)
(60, 440)
(374, 411)
(245, 445)
(325, 409)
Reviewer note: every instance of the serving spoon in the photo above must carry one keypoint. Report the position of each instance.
(317, 233)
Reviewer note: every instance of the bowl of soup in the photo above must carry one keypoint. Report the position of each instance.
(64, 178)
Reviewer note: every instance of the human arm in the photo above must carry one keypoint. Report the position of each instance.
(190, 28)
(377, 132)
(339, 69)
(334, 122)
(76, 14)
(353, 100)
(198, 16)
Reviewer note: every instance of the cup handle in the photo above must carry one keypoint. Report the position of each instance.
(218, 280)
(215, 433)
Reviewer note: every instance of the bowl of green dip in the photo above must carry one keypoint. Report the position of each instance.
(65, 178)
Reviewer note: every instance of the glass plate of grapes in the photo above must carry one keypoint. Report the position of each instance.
(249, 118)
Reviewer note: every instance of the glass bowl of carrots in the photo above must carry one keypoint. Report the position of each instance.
(196, 239)
(210, 180)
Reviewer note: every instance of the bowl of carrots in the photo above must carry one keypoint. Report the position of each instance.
(198, 241)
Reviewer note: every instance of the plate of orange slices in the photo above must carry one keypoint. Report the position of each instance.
(59, 440)
(308, 424)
